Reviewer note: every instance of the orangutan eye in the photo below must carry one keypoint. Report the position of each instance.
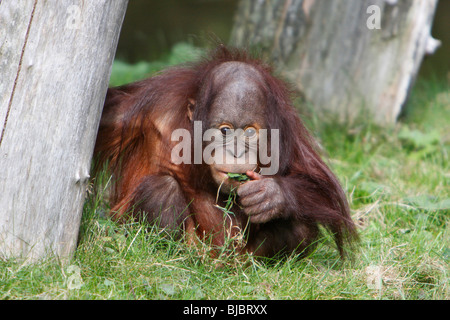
(250, 132)
(225, 129)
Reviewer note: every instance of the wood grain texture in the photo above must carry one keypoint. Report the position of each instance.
(331, 55)
(56, 59)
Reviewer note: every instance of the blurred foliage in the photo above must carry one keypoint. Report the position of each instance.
(152, 28)
(123, 72)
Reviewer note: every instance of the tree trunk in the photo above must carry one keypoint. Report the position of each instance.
(349, 57)
(56, 59)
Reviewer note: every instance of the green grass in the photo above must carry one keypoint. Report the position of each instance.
(397, 181)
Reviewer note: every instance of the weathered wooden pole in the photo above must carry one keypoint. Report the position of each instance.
(55, 63)
(347, 57)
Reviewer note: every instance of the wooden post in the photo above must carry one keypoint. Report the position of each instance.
(349, 57)
(55, 63)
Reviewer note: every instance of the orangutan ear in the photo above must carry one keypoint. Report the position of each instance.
(190, 108)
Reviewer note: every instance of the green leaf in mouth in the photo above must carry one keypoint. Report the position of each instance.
(238, 176)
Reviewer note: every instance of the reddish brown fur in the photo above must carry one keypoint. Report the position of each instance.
(134, 136)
